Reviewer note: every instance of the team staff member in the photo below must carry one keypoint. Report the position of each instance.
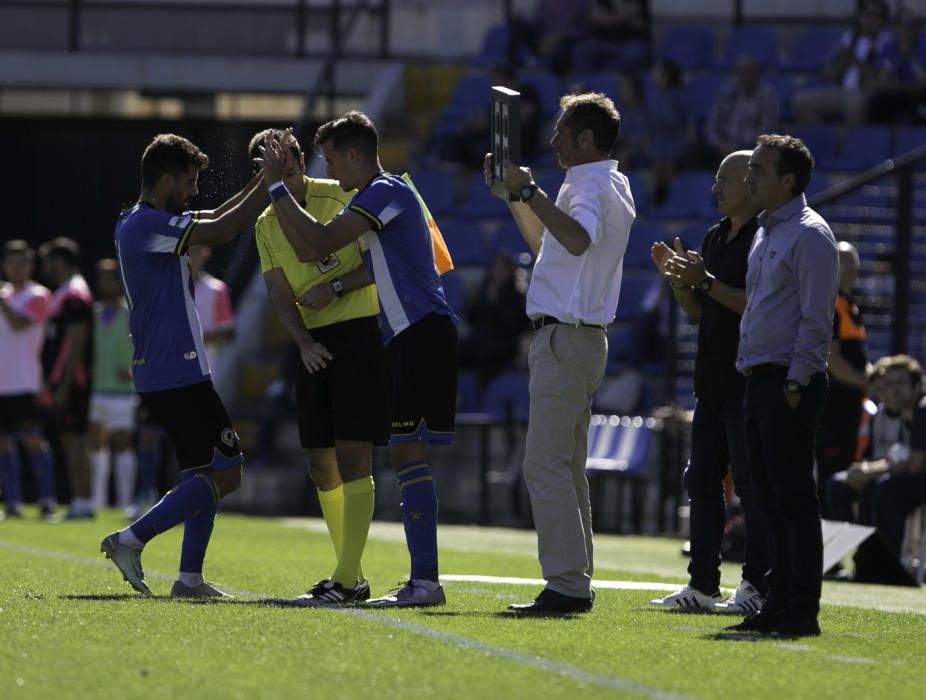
(342, 383)
(785, 337)
(418, 326)
(579, 242)
(169, 368)
(24, 307)
(712, 290)
(67, 357)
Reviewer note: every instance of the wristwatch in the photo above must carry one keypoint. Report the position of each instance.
(528, 191)
(706, 284)
(792, 387)
(338, 286)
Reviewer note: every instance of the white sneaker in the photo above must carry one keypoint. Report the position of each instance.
(414, 594)
(743, 601)
(688, 598)
(127, 560)
(203, 590)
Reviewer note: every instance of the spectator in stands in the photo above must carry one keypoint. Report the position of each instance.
(618, 37)
(468, 144)
(631, 147)
(24, 307)
(712, 290)
(571, 298)
(67, 358)
(746, 107)
(550, 33)
(113, 401)
(213, 304)
(670, 128)
(791, 285)
(900, 379)
(847, 367)
(904, 94)
(859, 64)
(497, 321)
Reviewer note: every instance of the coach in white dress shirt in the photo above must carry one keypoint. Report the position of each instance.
(579, 242)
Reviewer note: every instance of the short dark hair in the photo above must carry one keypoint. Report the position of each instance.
(353, 130)
(595, 111)
(170, 154)
(63, 248)
(18, 247)
(794, 158)
(257, 140)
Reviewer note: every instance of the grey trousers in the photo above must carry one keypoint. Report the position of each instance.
(566, 367)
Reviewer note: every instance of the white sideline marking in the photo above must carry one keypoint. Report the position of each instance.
(555, 667)
(611, 585)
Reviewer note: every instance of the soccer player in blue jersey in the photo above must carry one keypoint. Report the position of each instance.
(417, 324)
(169, 366)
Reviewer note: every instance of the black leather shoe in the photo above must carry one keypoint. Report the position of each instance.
(763, 622)
(792, 626)
(552, 603)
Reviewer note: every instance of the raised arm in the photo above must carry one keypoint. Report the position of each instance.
(230, 203)
(229, 224)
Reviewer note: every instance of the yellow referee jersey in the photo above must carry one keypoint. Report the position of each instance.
(324, 199)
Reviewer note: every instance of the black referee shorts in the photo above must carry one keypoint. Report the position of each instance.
(197, 425)
(423, 376)
(349, 399)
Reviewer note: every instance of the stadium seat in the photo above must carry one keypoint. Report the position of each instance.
(862, 147)
(689, 195)
(640, 192)
(909, 138)
(783, 83)
(606, 83)
(550, 181)
(639, 294)
(436, 189)
(494, 49)
(643, 234)
(471, 94)
(757, 41)
(508, 238)
(479, 201)
(507, 396)
(466, 241)
(700, 92)
(454, 291)
(811, 47)
(469, 394)
(549, 89)
(692, 47)
(821, 139)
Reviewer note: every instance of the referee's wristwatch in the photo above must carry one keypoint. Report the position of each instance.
(706, 284)
(792, 387)
(337, 286)
(528, 191)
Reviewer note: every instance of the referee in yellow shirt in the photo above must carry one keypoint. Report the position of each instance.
(342, 388)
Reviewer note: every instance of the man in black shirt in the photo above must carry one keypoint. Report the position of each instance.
(711, 288)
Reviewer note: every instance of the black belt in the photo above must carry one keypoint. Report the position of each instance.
(538, 323)
(763, 368)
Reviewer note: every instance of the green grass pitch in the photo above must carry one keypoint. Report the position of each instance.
(71, 628)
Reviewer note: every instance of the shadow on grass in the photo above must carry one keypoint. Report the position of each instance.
(111, 596)
(739, 637)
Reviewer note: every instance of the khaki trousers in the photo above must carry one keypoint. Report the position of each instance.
(566, 367)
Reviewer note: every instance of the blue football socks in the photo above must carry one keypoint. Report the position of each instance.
(149, 459)
(196, 533)
(187, 499)
(419, 515)
(10, 477)
(43, 468)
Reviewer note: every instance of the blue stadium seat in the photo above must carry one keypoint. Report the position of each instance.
(494, 49)
(469, 393)
(549, 89)
(619, 444)
(821, 139)
(622, 344)
(437, 190)
(550, 181)
(606, 83)
(640, 192)
(479, 201)
(692, 47)
(757, 41)
(811, 47)
(454, 291)
(508, 237)
(783, 83)
(861, 148)
(471, 94)
(639, 294)
(507, 395)
(909, 138)
(692, 235)
(466, 241)
(643, 234)
(689, 196)
(701, 90)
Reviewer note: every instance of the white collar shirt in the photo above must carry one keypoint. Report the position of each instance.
(585, 288)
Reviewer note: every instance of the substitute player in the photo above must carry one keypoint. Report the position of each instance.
(169, 367)
(418, 326)
(213, 305)
(113, 401)
(24, 306)
(342, 386)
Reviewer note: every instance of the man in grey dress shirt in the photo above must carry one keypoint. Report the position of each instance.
(785, 333)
